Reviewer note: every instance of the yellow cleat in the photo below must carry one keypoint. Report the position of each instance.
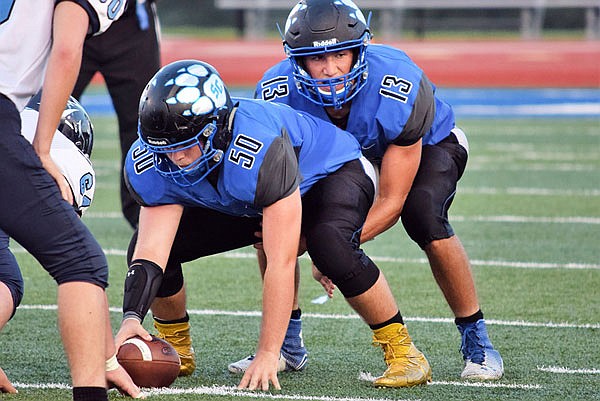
(179, 336)
(407, 366)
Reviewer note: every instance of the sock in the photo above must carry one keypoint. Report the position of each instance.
(469, 319)
(89, 394)
(184, 319)
(296, 313)
(395, 319)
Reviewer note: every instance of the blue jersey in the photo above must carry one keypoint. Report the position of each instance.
(273, 150)
(396, 106)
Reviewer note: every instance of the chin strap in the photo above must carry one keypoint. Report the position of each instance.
(141, 286)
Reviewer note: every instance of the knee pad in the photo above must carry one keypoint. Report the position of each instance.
(172, 280)
(16, 291)
(15, 287)
(10, 274)
(424, 219)
(341, 260)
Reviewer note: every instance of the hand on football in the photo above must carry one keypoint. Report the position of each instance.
(122, 381)
(130, 328)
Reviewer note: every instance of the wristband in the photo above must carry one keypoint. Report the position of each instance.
(112, 363)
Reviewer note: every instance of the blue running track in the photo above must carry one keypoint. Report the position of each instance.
(467, 103)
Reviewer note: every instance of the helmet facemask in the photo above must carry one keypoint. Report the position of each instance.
(319, 27)
(198, 169)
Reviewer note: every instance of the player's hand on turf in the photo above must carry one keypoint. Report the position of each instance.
(5, 384)
(325, 281)
(130, 328)
(119, 379)
(261, 371)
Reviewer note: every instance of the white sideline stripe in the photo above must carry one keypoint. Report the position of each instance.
(334, 316)
(559, 369)
(487, 263)
(492, 219)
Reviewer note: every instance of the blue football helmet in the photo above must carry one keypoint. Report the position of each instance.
(185, 104)
(323, 26)
(74, 123)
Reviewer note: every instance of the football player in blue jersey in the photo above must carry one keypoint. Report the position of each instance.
(40, 43)
(378, 94)
(210, 172)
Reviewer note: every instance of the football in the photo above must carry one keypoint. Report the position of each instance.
(149, 363)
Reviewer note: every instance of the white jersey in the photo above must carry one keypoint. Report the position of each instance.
(26, 39)
(74, 165)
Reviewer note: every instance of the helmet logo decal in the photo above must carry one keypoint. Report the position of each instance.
(157, 141)
(322, 43)
(214, 88)
(189, 93)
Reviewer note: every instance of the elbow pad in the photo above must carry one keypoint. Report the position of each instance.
(141, 286)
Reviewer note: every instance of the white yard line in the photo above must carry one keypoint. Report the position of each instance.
(334, 316)
(388, 259)
(218, 391)
(486, 219)
(462, 189)
(559, 369)
(529, 191)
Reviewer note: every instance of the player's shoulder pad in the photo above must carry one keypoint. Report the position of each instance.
(102, 13)
(276, 76)
(146, 185)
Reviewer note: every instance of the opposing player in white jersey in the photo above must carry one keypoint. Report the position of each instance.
(71, 148)
(41, 43)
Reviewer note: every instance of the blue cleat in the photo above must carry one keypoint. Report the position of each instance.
(482, 361)
(293, 356)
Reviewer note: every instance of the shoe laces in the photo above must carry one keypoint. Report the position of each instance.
(391, 345)
(472, 346)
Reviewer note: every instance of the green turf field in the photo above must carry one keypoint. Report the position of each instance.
(528, 213)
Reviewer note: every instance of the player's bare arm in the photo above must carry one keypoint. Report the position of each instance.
(70, 27)
(281, 233)
(398, 169)
(156, 232)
